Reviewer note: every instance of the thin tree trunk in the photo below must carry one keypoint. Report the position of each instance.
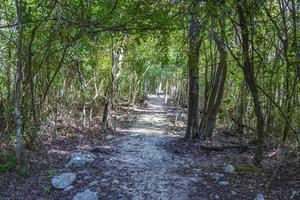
(242, 107)
(219, 83)
(109, 92)
(18, 92)
(166, 92)
(242, 9)
(193, 74)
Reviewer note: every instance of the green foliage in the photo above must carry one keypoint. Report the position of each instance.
(7, 161)
(248, 169)
(51, 174)
(48, 189)
(69, 48)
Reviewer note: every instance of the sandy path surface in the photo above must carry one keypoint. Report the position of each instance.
(140, 168)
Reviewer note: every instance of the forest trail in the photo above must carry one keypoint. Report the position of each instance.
(140, 167)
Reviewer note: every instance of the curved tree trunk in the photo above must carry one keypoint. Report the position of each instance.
(242, 9)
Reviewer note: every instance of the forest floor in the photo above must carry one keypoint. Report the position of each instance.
(145, 158)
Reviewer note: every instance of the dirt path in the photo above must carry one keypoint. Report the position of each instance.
(141, 168)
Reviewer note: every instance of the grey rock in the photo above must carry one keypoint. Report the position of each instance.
(80, 159)
(223, 183)
(86, 195)
(116, 181)
(229, 169)
(259, 197)
(64, 180)
(217, 196)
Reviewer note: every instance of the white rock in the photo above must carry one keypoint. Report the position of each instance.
(184, 116)
(223, 183)
(80, 159)
(217, 196)
(259, 197)
(64, 180)
(86, 195)
(229, 169)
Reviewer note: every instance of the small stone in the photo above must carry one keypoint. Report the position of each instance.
(104, 184)
(64, 180)
(67, 189)
(116, 181)
(229, 169)
(86, 195)
(217, 196)
(80, 159)
(107, 173)
(194, 179)
(170, 115)
(109, 137)
(184, 116)
(94, 183)
(295, 193)
(223, 183)
(216, 176)
(259, 197)
(86, 177)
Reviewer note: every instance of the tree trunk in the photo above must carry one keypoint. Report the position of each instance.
(18, 92)
(242, 9)
(193, 73)
(109, 91)
(214, 101)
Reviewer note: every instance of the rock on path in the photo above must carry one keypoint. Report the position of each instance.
(86, 195)
(63, 180)
(80, 159)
